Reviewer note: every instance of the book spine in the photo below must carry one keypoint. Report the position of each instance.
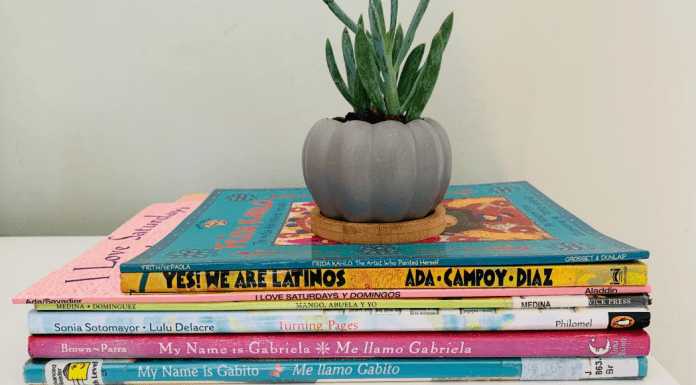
(619, 300)
(551, 302)
(292, 321)
(628, 274)
(561, 343)
(473, 303)
(531, 302)
(363, 294)
(303, 295)
(108, 372)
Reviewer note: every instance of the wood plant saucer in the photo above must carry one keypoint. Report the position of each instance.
(379, 233)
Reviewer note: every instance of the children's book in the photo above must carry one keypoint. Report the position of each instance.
(354, 320)
(283, 371)
(557, 343)
(631, 273)
(488, 225)
(531, 302)
(94, 275)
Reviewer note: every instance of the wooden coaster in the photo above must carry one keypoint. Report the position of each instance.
(378, 233)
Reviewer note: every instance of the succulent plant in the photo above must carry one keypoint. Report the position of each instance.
(376, 83)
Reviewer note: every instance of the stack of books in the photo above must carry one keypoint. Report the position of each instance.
(233, 286)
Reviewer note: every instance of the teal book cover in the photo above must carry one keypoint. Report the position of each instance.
(487, 225)
(96, 371)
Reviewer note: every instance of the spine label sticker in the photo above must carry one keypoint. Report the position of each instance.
(74, 372)
(598, 367)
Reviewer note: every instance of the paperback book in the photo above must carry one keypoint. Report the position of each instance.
(356, 320)
(154, 371)
(489, 225)
(530, 302)
(558, 343)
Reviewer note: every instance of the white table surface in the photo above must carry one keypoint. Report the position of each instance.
(25, 260)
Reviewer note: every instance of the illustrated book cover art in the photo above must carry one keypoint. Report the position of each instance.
(284, 371)
(630, 273)
(472, 344)
(94, 275)
(529, 302)
(351, 320)
(489, 225)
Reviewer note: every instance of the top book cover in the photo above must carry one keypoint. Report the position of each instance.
(488, 224)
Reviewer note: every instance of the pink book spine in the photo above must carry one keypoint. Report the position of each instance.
(345, 345)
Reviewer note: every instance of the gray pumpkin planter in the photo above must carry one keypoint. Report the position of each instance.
(384, 172)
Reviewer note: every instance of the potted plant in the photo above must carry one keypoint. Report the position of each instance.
(382, 162)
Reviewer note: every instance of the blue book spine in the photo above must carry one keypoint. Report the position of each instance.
(186, 371)
(363, 320)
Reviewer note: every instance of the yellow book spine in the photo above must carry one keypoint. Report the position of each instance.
(626, 274)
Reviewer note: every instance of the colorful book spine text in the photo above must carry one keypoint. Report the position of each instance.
(361, 320)
(629, 274)
(120, 372)
(531, 302)
(561, 343)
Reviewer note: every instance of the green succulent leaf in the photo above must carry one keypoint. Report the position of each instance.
(398, 39)
(377, 39)
(380, 16)
(349, 59)
(426, 79)
(361, 100)
(446, 29)
(335, 74)
(361, 23)
(393, 13)
(383, 51)
(373, 52)
(411, 93)
(341, 15)
(410, 73)
(408, 38)
(367, 70)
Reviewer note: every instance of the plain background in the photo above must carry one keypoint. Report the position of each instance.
(108, 106)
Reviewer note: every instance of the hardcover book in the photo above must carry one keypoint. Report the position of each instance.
(94, 275)
(489, 225)
(631, 273)
(283, 371)
(557, 343)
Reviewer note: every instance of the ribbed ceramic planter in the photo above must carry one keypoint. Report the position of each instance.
(384, 172)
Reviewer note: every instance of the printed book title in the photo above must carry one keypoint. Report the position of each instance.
(337, 278)
(113, 258)
(165, 372)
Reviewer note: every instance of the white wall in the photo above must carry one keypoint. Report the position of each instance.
(108, 106)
